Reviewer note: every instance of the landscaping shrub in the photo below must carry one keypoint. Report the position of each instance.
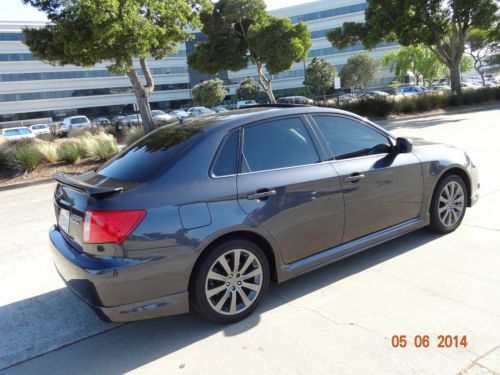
(71, 150)
(135, 133)
(23, 156)
(49, 151)
(102, 146)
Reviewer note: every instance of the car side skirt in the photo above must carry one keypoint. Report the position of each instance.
(337, 253)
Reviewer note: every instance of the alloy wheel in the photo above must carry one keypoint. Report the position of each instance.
(451, 204)
(234, 282)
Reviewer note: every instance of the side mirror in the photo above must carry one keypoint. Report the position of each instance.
(403, 146)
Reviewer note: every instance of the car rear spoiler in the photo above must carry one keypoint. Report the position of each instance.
(91, 190)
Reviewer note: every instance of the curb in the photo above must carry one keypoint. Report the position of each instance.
(26, 184)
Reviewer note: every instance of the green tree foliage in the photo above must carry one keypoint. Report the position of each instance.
(441, 25)
(240, 32)
(88, 32)
(209, 93)
(320, 76)
(482, 46)
(359, 71)
(418, 60)
(248, 89)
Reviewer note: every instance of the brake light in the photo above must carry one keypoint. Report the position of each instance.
(110, 226)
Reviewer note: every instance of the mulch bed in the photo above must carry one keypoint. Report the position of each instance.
(46, 171)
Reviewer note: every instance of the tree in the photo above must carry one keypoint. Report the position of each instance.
(482, 46)
(88, 32)
(248, 89)
(209, 93)
(359, 71)
(241, 31)
(320, 75)
(418, 60)
(441, 25)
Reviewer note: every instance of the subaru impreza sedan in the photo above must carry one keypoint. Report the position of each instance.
(203, 215)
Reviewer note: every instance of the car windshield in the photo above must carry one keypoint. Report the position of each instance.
(79, 120)
(37, 127)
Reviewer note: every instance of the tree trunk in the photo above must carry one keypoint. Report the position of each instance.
(455, 77)
(142, 94)
(265, 83)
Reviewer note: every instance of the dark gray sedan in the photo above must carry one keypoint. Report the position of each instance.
(205, 214)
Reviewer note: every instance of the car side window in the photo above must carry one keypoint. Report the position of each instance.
(348, 138)
(278, 144)
(227, 158)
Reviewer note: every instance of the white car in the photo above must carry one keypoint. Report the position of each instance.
(73, 123)
(16, 134)
(245, 103)
(199, 111)
(161, 116)
(40, 129)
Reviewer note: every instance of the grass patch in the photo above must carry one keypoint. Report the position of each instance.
(134, 134)
(71, 150)
(22, 156)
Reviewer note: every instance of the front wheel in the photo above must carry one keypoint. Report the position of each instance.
(230, 282)
(448, 204)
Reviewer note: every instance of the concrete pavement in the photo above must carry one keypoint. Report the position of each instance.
(339, 319)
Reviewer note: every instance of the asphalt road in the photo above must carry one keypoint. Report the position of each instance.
(336, 320)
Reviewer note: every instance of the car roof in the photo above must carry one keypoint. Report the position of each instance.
(225, 121)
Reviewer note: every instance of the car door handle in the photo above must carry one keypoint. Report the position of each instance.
(355, 177)
(261, 194)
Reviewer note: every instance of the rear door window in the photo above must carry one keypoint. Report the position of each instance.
(278, 144)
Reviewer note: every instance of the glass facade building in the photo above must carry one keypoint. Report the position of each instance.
(30, 88)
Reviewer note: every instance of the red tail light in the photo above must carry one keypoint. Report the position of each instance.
(110, 226)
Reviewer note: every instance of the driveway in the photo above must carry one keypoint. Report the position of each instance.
(337, 320)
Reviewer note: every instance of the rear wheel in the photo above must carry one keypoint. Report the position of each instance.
(230, 282)
(448, 204)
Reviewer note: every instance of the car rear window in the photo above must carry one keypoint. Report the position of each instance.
(152, 154)
(79, 120)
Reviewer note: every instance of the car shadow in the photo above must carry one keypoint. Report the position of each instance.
(127, 347)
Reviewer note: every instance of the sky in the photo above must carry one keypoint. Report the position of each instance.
(15, 10)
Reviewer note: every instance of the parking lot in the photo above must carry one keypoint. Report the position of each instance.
(337, 320)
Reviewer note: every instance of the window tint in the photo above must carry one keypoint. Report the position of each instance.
(11, 132)
(226, 163)
(154, 153)
(349, 138)
(24, 131)
(278, 144)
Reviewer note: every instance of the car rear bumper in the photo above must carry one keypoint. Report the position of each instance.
(98, 280)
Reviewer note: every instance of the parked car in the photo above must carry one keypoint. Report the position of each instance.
(73, 123)
(203, 216)
(118, 121)
(199, 111)
(219, 109)
(440, 89)
(133, 120)
(16, 134)
(412, 90)
(245, 103)
(102, 121)
(374, 94)
(179, 113)
(295, 100)
(40, 129)
(160, 117)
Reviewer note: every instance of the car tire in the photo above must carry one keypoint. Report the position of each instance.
(222, 290)
(448, 205)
